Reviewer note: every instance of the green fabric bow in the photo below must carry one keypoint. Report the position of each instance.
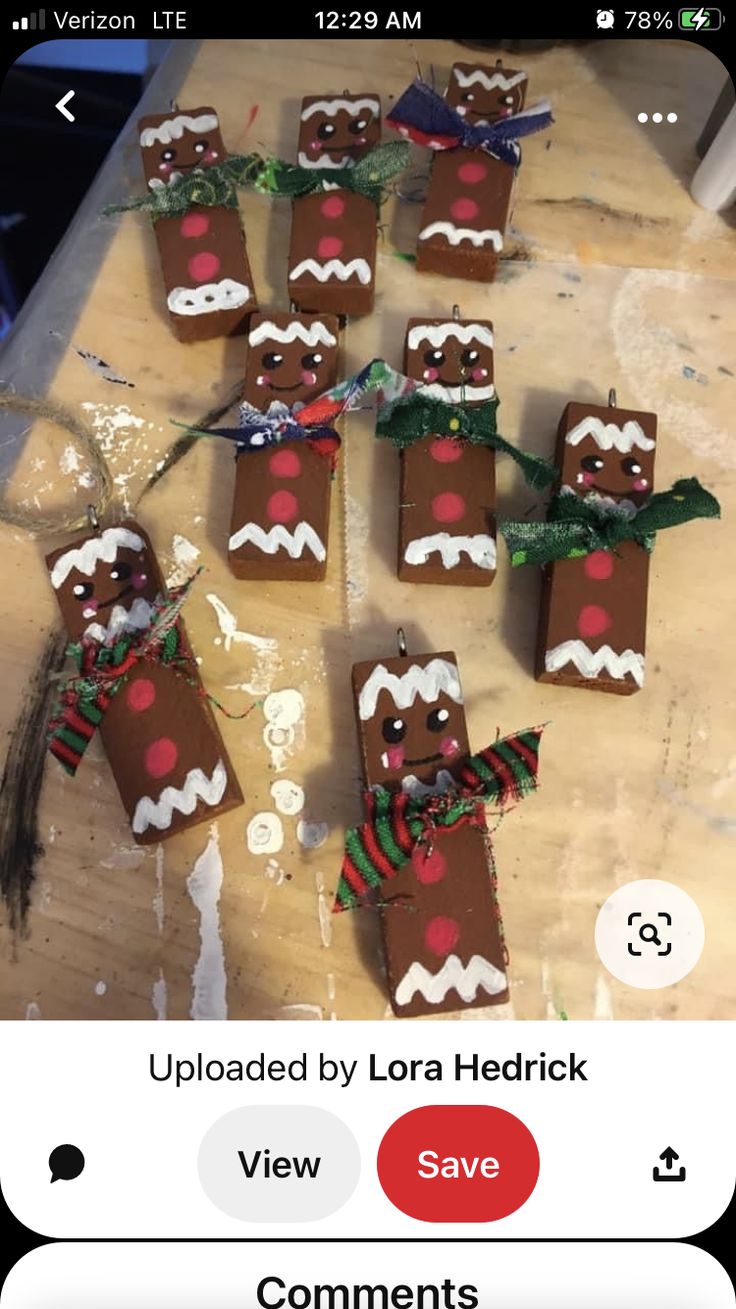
(414, 416)
(366, 177)
(577, 526)
(205, 186)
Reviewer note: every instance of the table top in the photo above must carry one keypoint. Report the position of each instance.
(612, 277)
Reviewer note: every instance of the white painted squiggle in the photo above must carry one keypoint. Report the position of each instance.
(209, 979)
(411, 785)
(196, 786)
(122, 620)
(311, 334)
(437, 333)
(98, 549)
(333, 106)
(425, 681)
(230, 631)
(208, 298)
(173, 129)
(476, 236)
(279, 537)
(459, 394)
(478, 75)
(609, 436)
(480, 548)
(325, 161)
(592, 662)
(466, 979)
(359, 268)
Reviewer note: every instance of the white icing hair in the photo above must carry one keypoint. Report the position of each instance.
(437, 334)
(479, 75)
(310, 334)
(172, 129)
(87, 556)
(333, 105)
(425, 681)
(609, 436)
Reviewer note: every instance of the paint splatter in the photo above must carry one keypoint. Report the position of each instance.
(158, 897)
(323, 912)
(159, 997)
(603, 1005)
(310, 834)
(229, 628)
(101, 368)
(308, 1011)
(185, 557)
(209, 979)
(284, 730)
(265, 833)
(288, 797)
(33, 1013)
(100, 987)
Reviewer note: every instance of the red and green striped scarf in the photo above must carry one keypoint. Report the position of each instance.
(397, 823)
(101, 671)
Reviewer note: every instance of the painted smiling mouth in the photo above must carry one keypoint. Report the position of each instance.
(428, 759)
(338, 149)
(105, 604)
(284, 388)
(463, 381)
(604, 490)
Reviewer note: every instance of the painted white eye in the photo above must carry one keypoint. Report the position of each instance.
(508, 100)
(468, 96)
(437, 719)
(200, 147)
(81, 590)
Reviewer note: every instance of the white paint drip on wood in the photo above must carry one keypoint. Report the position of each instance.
(287, 796)
(232, 633)
(185, 555)
(33, 1012)
(603, 1006)
(264, 833)
(284, 729)
(100, 987)
(159, 997)
(308, 1011)
(546, 986)
(158, 896)
(323, 912)
(311, 834)
(209, 979)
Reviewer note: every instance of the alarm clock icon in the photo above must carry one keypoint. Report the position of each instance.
(605, 18)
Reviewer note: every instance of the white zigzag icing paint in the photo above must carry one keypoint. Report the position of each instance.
(359, 268)
(314, 334)
(279, 537)
(609, 436)
(480, 548)
(411, 784)
(426, 682)
(208, 298)
(466, 979)
(333, 106)
(459, 394)
(490, 83)
(592, 662)
(476, 236)
(87, 556)
(183, 799)
(122, 620)
(172, 129)
(437, 333)
(325, 161)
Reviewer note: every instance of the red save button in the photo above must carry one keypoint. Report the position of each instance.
(454, 1163)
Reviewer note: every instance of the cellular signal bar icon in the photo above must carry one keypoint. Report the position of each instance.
(33, 23)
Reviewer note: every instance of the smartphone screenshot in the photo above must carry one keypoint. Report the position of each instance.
(368, 787)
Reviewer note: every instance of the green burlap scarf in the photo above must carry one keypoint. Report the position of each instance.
(207, 186)
(366, 177)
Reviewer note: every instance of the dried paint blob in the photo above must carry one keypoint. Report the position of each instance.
(284, 712)
(100, 988)
(265, 833)
(311, 835)
(287, 796)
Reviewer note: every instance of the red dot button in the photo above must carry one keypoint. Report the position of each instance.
(458, 1163)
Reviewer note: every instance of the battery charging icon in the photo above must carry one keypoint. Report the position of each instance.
(699, 20)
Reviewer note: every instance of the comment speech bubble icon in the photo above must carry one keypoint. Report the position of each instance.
(66, 1162)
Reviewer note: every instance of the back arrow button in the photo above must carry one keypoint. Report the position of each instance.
(61, 105)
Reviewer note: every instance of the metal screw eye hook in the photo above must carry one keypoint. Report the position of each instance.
(612, 398)
(401, 642)
(92, 518)
(174, 106)
(456, 313)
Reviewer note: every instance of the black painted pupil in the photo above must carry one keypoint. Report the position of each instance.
(271, 360)
(325, 131)
(468, 96)
(469, 357)
(631, 467)
(83, 590)
(437, 719)
(393, 730)
(591, 463)
(435, 358)
(358, 125)
(201, 146)
(168, 155)
(121, 572)
(311, 361)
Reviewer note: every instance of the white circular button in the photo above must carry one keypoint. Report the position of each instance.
(649, 934)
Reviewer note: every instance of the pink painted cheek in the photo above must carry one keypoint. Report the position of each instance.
(479, 374)
(90, 609)
(586, 479)
(315, 145)
(395, 756)
(428, 867)
(138, 581)
(641, 484)
(441, 935)
(211, 156)
(431, 374)
(446, 450)
(165, 168)
(160, 757)
(263, 380)
(282, 507)
(308, 378)
(449, 746)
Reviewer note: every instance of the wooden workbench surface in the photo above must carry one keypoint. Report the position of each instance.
(615, 279)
